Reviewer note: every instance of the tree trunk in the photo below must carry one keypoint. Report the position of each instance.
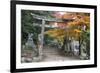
(65, 47)
(88, 48)
(79, 46)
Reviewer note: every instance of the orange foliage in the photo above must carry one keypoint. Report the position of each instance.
(73, 28)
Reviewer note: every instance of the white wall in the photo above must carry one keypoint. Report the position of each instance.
(5, 36)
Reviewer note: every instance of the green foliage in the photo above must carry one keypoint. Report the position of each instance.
(28, 22)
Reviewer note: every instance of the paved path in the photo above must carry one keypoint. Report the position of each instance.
(54, 54)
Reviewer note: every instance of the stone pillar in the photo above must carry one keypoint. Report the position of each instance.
(41, 39)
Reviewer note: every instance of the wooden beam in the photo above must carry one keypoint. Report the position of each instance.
(46, 25)
(50, 19)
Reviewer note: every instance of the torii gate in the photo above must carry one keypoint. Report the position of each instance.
(41, 36)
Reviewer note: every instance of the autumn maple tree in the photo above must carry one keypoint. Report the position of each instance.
(78, 29)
